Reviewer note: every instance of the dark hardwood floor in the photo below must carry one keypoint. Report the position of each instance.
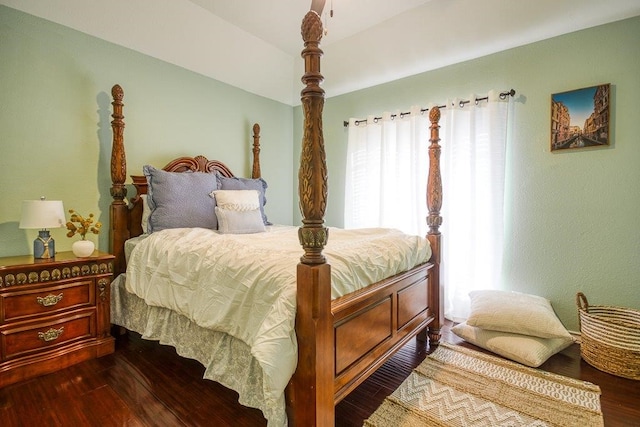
(146, 384)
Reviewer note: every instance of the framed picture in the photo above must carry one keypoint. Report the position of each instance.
(580, 118)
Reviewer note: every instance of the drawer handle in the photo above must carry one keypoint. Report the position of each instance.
(49, 300)
(51, 334)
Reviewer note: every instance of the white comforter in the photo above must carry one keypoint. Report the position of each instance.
(245, 285)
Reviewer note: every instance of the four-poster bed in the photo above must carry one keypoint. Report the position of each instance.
(340, 340)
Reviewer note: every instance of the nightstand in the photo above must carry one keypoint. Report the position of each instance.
(53, 313)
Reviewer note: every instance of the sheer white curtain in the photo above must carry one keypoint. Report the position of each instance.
(474, 140)
(387, 167)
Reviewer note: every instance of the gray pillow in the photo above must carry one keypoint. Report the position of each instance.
(258, 184)
(180, 199)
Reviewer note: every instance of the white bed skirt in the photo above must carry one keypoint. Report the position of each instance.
(226, 359)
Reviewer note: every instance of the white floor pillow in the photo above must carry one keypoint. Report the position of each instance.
(525, 349)
(516, 313)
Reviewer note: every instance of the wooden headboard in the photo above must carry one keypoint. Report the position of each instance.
(126, 218)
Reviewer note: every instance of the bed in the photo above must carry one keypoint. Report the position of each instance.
(339, 337)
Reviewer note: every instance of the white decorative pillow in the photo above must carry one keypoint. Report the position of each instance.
(530, 351)
(515, 312)
(239, 222)
(237, 200)
(146, 211)
(235, 183)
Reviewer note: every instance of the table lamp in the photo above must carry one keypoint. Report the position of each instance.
(42, 214)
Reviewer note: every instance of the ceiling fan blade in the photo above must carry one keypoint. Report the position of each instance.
(317, 6)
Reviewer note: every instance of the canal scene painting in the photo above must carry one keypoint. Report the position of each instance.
(580, 118)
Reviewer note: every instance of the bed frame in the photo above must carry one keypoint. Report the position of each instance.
(340, 342)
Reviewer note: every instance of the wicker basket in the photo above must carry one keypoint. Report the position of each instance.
(610, 338)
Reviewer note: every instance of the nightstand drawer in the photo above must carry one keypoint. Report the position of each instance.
(25, 338)
(21, 304)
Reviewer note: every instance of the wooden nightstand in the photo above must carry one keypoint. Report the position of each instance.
(53, 313)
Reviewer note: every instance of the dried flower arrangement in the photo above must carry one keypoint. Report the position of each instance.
(85, 225)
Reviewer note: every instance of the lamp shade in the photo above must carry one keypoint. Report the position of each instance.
(42, 214)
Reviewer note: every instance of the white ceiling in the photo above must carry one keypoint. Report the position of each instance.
(256, 44)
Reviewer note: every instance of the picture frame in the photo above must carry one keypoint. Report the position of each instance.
(580, 118)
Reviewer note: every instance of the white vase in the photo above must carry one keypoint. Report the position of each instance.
(83, 248)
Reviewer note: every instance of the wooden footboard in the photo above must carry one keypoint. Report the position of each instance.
(371, 324)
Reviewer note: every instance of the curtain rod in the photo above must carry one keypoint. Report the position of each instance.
(503, 95)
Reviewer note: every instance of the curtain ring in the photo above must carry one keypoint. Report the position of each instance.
(375, 119)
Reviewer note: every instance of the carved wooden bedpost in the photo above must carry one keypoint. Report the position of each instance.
(256, 173)
(118, 232)
(310, 395)
(434, 220)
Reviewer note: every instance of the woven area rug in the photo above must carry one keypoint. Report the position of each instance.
(456, 386)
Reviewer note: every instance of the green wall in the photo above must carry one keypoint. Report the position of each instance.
(55, 124)
(572, 218)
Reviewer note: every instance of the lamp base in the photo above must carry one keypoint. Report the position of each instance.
(44, 246)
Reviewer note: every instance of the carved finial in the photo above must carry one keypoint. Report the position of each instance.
(434, 115)
(117, 93)
(312, 34)
(312, 27)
